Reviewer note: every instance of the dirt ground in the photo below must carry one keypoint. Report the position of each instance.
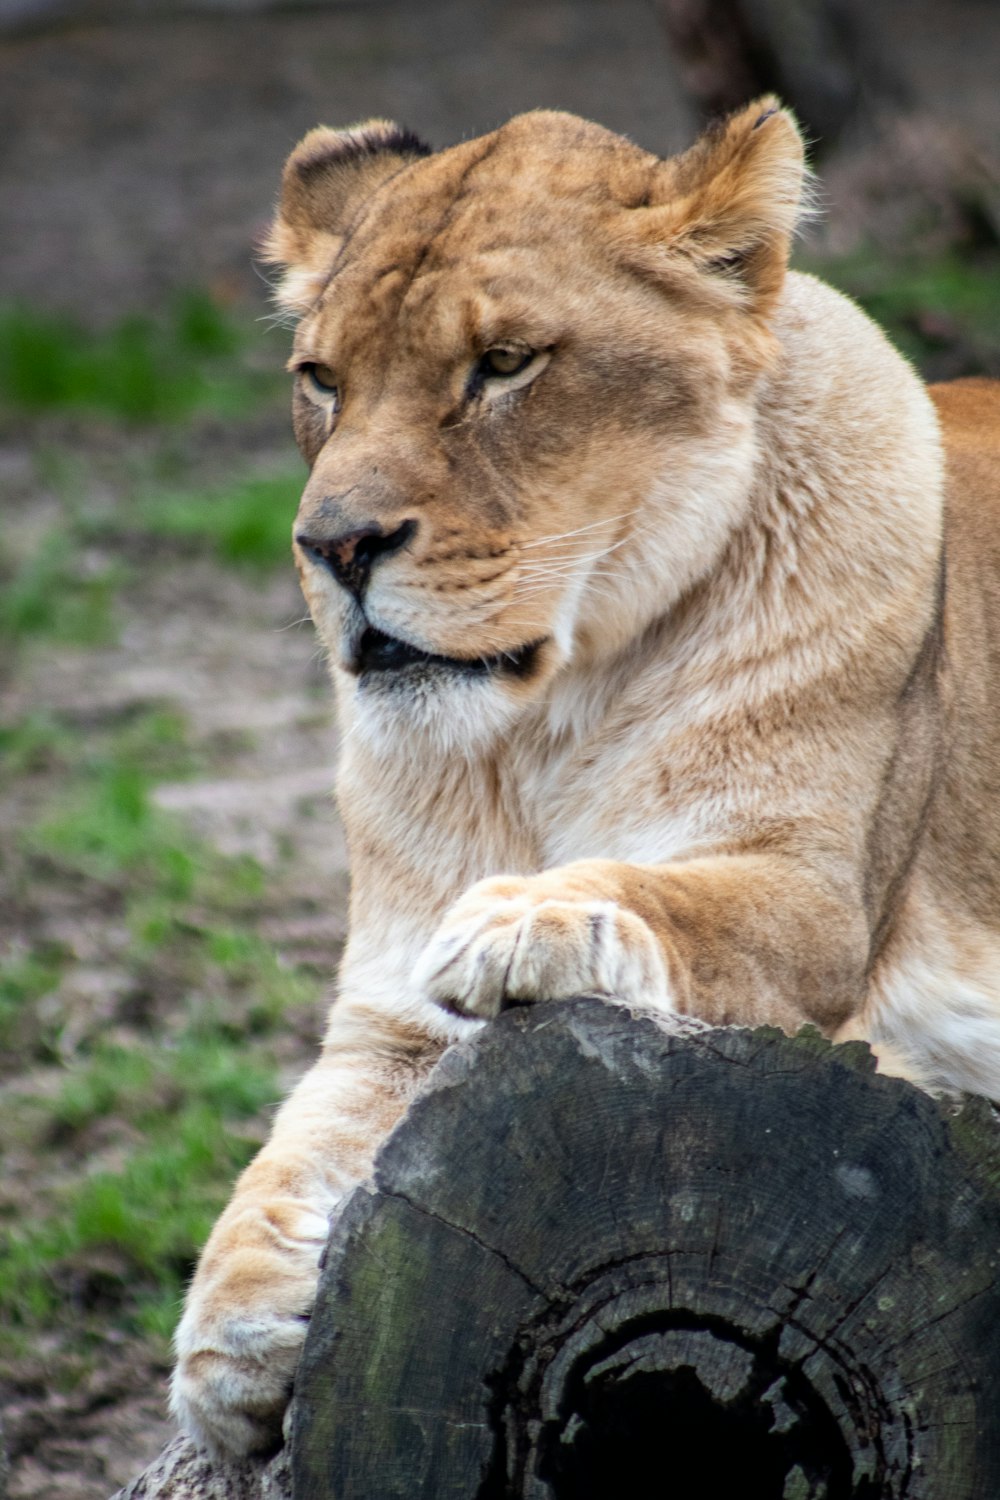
(230, 655)
(147, 155)
(140, 158)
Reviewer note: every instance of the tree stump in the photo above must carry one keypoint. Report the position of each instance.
(602, 1259)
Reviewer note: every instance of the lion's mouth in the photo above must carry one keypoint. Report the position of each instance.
(377, 652)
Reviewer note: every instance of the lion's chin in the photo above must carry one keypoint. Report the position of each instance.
(457, 704)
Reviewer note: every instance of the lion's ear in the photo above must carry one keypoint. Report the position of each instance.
(326, 179)
(732, 201)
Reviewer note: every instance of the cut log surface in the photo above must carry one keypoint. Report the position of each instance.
(602, 1259)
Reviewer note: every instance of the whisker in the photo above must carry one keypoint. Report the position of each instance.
(600, 586)
(557, 575)
(586, 557)
(535, 587)
(562, 569)
(558, 536)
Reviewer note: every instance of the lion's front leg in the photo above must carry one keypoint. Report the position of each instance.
(749, 938)
(544, 937)
(248, 1306)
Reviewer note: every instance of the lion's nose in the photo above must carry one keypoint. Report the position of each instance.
(351, 556)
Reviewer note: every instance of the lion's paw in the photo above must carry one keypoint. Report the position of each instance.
(241, 1335)
(508, 941)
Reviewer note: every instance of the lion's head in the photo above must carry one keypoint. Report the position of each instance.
(524, 375)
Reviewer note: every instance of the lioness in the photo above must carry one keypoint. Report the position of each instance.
(664, 669)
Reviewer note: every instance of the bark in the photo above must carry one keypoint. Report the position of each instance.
(183, 1473)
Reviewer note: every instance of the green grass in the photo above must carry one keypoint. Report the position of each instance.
(140, 370)
(248, 523)
(140, 1225)
(37, 742)
(28, 973)
(154, 740)
(111, 827)
(160, 1120)
(950, 302)
(104, 828)
(151, 739)
(66, 589)
(51, 595)
(107, 826)
(185, 1103)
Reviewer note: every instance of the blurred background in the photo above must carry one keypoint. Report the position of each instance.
(172, 877)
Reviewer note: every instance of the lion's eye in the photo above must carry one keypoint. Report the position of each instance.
(501, 371)
(504, 362)
(321, 380)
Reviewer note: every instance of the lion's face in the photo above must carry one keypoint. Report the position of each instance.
(528, 421)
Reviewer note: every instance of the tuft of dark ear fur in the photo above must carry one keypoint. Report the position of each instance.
(326, 178)
(731, 203)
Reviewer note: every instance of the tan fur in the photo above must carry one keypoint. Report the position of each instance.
(748, 768)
